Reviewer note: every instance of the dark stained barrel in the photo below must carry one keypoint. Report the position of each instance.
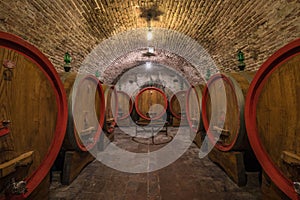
(125, 105)
(111, 108)
(193, 107)
(272, 115)
(33, 115)
(86, 111)
(151, 103)
(226, 92)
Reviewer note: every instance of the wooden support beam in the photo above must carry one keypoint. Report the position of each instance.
(10, 166)
(290, 158)
(224, 132)
(232, 163)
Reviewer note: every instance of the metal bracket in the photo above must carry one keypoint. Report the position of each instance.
(8, 73)
(297, 187)
(17, 188)
(4, 130)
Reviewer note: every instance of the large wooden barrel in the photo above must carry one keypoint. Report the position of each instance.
(178, 105)
(151, 103)
(125, 105)
(272, 115)
(125, 108)
(193, 107)
(33, 114)
(111, 108)
(226, 92)
(86, 111)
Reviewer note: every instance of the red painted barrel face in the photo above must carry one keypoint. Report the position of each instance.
(272, 116)
(178, 105)
(111, 102)
(225, 115)
(35, 102)
(151, 103)
(125, 105)
(193, 107)
(88, 112)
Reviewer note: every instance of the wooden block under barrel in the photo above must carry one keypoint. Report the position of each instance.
(270, 191)
(42, 191)
(232, 163)
(74, 163)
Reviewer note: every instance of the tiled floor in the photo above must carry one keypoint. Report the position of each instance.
(188, 178)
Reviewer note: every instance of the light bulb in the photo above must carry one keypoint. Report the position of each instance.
(148, 65)
(149, 35)
(151, 49)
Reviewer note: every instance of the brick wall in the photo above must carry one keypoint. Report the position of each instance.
(222, 27)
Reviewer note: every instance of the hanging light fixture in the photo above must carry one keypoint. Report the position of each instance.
(149, 33)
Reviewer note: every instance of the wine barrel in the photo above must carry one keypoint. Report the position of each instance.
(178, 105)
(193, 107)
(272, 115)
(125, 105)
(33, 114)
(86, 111)
(226, 92)
(151, 103)
(111, 108)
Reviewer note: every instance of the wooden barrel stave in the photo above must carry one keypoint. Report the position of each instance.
(231, 123)
(272, 117)
(125, 105)
(82, 120)
(193, 110)
(177, 105)
(125, 108)
(111, 108)
(37, 109)
(148, 97)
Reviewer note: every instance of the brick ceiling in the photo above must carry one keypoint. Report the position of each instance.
(221, 27)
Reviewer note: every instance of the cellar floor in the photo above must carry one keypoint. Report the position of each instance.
(188, 178)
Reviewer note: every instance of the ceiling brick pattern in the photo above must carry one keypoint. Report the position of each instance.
(222, 27)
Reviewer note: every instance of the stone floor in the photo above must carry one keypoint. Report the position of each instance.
(188, 178)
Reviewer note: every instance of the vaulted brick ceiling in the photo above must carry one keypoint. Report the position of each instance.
(222, 27)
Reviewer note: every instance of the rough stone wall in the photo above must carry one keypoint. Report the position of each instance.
(256, 27)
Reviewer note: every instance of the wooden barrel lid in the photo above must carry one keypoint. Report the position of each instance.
(148, 97)
(194, 107)
(88, 113)
(111, 107)
(272, 115)
(226, 92)
(178, 104)
(36, 104)
(125, 105)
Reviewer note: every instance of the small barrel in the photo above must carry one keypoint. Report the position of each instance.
(151, 103)
(193, 107)
(272, 115)
(125, 105)
(226, 93)
(86, 111)
(178, 105)
(111, 108)
(33, 116)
